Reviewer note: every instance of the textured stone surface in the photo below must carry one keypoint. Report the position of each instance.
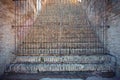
(58, 79)
(36, 68)
(62, 51)
(104, 17)
(100, 78)
(64, 59)
(69, 17)
(61, 15)
(61, 23)
(7, 46)
(114, 38)
(13, 13)
(59, 45)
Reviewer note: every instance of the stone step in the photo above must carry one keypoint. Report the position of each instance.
(76, 17)
(61, 12)
(65, 9)
(64, 29)
(61, 51)
(61, 19)
(60, 37)
(36, 68)
(60, 40)
(58, 17)
(83, 34)
(61, 33)
(64, 59)
(59, 45)
(57, 74)
(55, 27)
(60, 25)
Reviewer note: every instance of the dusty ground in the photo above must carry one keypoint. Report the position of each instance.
(89, 78)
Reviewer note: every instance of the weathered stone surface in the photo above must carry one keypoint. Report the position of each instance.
(64, 59)
(59, 45)
(7, 46)
(66, 13)
(63, 51)
(58, 79)
(100, 78)
(13, 13)
(36, 68)
(105, 18)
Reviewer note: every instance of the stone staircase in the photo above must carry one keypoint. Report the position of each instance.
(61, 44)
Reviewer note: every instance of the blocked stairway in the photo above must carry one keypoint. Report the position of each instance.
(61, 44)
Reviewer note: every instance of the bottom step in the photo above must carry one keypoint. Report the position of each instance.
(36, 67)
(70, 75)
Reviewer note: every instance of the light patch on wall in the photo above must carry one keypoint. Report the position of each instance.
(76, 1)
(39, 5)
(79, 0)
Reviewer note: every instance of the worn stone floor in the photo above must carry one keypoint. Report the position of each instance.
(89, 78)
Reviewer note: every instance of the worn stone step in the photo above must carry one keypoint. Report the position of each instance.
(63, 51)
(59, 40)
(57, 74)
(55, 17)
(59, 45)
(69, 17)
(64, 59)
(36, 68)
(63, 9)
(68, 36)
(60, 24)
(62, 19)
(64, 35)
(64, 29)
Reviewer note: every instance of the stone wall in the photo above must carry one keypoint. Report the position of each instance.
(105, 19)
(7, 46)
(114, 30)
(95, 10)
(15, 18)
(7, 38)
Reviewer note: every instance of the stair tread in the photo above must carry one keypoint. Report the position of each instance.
(56, 74)
(35, 67)
(59, 45)
(62, 40)
(62, 51)
(63, 59)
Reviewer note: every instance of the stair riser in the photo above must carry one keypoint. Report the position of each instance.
(36, 68)
(63, 21)
(65, 36)
(58, 45)
(63, 59)
(61, 40)
(62, 29)
(62, 51)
